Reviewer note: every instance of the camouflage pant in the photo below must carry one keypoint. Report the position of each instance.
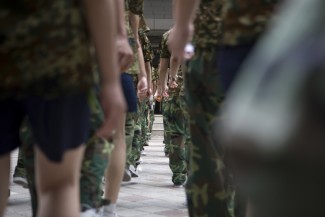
(165, 113)
(207, 191)
(129, 134)
(93, 165)
(144, 122)
(151, 120)
(176, 128)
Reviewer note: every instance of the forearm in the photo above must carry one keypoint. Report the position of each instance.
(163, 66)
(102, 25)
(174, 66)
(149, 74)
(142, 68)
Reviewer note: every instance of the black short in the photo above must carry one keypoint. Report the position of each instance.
(129, 92)
(58, 125)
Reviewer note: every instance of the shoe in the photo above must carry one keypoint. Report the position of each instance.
(22, 181)
(127, 175)
(89, 213)
(146, 144)
(138, 162)
(133, 171)
(108, 211)
(143, 153)
(19, 177)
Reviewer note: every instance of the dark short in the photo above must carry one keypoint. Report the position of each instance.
(230, 61)
(129, 92)
(58, 124)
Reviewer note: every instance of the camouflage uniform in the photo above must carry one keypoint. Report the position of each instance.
(36, 64)
(175, 123)
(132, 123)
(148, 56)
(245, 20)
(207, 187)
(283, 168)
(93, 165)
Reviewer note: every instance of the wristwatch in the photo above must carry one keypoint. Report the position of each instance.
(173, 78)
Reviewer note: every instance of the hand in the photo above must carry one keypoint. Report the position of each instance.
(149, 93)
(113, 104)
(178, 39)
(142, 88)
(172, 84)
(125, 53)
(165, 94)
(158, 95)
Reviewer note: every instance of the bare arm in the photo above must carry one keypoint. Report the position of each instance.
(163, 68)
(125, 54)
(149, 77)
(142, 76)
(184, 13)
(174, 66)
(102, 25)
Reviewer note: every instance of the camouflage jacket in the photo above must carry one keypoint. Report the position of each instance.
(146, 47)
(44, 48)
(207, 24)
(165, 54)
(245, 20)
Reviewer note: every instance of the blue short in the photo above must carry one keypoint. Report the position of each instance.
(129, 92)
(58, 124)
(230, 61)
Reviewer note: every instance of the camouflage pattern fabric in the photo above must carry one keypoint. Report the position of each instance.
(165, 54)
(165, 113)
(135, 7)
(93, 165)
(174, 122)
(44, 49)
(245, 20)
(143, 27)
(207, 33)
(129, 134)
(146, 47)
(155, 74)
(206, 188)
(176, 149)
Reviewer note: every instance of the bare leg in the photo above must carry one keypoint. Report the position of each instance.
(58, 184)
(115, 170)
(4, 181)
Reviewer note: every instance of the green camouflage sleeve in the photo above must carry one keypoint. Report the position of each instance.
(208, 24)
(164, 52)
(136, 6)
(245, 20)
(146, 48)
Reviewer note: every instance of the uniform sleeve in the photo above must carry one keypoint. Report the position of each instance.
(146, 48)
(164, 52)
(136, 6)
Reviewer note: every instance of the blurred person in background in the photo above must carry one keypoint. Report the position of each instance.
(274, 124)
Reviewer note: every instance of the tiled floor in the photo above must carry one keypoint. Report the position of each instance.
(150, 195)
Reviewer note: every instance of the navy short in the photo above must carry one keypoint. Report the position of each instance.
(129, 92)
(230, 61)
(58, 125)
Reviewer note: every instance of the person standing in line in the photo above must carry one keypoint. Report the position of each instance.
(47, 88)
(208, 191)
(175, 119)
